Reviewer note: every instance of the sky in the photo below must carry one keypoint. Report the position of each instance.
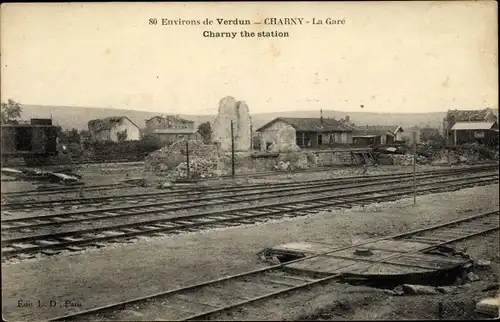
(405, 57)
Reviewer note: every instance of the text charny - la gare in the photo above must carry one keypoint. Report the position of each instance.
(285, 21)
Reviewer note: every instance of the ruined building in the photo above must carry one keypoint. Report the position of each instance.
(236, 111)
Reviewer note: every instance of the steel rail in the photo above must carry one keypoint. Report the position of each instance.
(275, 267)
(47, 191)
(199, 191)
(179, 190)
(331, 278)
(204, 191)
(262, 195)
(269, 211)
(217, 213)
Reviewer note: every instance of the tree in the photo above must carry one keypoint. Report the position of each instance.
(149, 143)
(11, 111)
(206, 132)
(430, 134)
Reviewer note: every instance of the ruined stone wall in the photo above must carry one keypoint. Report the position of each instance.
(324, 159)
(285, 140)
(269, 133)
(297, 160)
(238, 112)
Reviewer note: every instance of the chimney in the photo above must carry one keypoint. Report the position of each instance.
(321, 117)
(347, 119)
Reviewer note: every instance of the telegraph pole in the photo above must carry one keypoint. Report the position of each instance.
(414, 167)
(232, 149)
(187, 158)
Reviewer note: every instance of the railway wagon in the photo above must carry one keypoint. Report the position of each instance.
(36, 142)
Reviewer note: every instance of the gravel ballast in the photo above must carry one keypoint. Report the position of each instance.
(99, 277)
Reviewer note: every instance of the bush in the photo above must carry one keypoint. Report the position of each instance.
(149, 143)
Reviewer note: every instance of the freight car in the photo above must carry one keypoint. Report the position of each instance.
(35, 142)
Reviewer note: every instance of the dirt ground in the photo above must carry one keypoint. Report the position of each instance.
(99, 277)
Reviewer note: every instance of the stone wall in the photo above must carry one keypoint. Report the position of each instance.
(238, 112)
(285, 140)
(270, 132)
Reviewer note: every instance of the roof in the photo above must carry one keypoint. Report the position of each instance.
(377, 130)
(473, 125)
(169, 117)
(174, 131)
(28, 125)
(107, 123)
(365, 136)
(468, 115)
(311, 124)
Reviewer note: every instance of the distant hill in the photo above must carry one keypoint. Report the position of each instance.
(70, 117)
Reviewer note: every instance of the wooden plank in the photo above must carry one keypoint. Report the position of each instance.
(396, 245)
(349, 253)
(314, 248)
(386, 269)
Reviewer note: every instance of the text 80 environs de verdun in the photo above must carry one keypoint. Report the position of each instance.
(286, 21)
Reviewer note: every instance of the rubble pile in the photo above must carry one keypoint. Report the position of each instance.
(282, 166)
(312, 159)
(291, 161)
(198, 168)
(401, 159)
(170, 157)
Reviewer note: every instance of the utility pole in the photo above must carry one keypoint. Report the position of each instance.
(251, 138)
(414, 167)
(232, 149)
(187, 157)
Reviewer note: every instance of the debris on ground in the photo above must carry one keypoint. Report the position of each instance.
(410, 289)
(171, 160)
(282, 166)
(472, 277)
(489, 306)
(425, 154)
(446, 289)
(491, 287)
(12, 172)
(291, 161)
(198, 168)
(482, 264)
(40, 175)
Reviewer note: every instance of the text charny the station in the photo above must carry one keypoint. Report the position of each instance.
(269, 21)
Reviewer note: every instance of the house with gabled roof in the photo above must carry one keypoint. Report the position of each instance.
(310, 132)
(453, 116)
(114, 129)
(475, 132)
(172, 128)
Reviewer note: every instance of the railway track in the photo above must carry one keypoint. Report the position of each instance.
(204, 191)
(22, 164)
(210, 299)
(21, 242)
(60, 190)
(169, 208)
